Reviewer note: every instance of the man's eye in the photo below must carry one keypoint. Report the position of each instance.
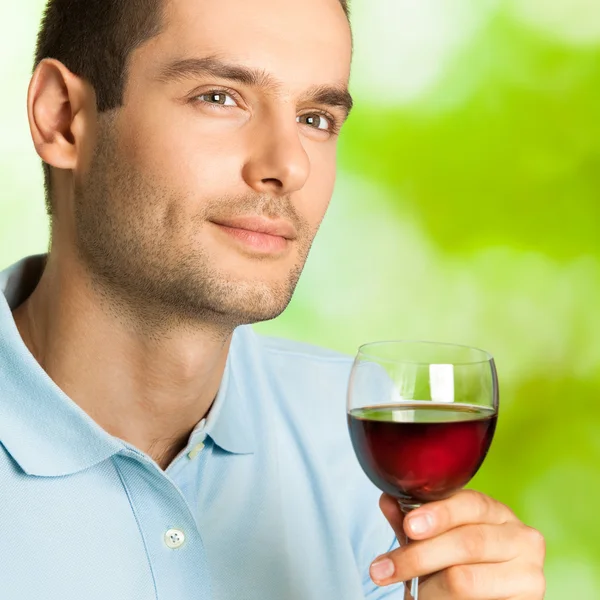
(217, 97)
(317, 121)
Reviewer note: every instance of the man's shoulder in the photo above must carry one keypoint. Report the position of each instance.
(295, 374)
(296, 351)
(305, 364)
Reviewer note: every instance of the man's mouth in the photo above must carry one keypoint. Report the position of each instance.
(263, 235)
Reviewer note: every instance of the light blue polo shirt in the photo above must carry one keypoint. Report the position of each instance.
(266, 502)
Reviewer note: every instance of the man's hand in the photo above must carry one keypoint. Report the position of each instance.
(468, 547)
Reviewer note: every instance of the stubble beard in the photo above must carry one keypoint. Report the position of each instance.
(123, 237)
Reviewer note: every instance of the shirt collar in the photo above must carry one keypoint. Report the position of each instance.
(42, 429)
(47, 433)
(228, 422)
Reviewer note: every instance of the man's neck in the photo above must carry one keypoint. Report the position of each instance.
(149, 389)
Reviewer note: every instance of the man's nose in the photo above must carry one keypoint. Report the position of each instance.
(278, 163)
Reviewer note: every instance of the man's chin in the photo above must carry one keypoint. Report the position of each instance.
(241, 302)
(256, 309)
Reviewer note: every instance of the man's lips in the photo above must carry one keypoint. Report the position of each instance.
(266, 236)
(273, 227)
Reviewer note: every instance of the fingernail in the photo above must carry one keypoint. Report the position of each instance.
(382, 569)
(420, 524)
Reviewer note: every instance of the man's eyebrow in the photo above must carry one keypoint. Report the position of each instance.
(188, 68)
(330, 95)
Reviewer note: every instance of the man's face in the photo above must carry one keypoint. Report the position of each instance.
(195, 164)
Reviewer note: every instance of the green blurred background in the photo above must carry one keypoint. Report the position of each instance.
(467, 210)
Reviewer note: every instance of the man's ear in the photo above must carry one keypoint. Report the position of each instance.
(61, 108)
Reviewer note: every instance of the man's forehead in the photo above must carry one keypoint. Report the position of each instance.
(283, 37)
(295, 11)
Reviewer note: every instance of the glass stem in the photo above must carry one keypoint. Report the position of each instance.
(411, 588)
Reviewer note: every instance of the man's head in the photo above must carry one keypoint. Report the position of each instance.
(171, 125)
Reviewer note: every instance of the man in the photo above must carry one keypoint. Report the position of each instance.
(152, 446)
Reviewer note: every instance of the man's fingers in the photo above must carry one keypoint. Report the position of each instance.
(463, 508)
(468, 547)
(465, 545)
(484, 582)
(391, 511)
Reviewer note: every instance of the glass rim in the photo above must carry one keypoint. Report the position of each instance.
(488, 357)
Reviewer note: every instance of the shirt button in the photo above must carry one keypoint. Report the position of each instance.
(195, 451)
(174, 538)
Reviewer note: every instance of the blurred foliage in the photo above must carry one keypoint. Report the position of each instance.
(467, 210)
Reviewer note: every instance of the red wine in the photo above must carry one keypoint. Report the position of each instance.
(421, 451)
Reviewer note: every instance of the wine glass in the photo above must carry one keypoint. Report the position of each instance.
(421, 417)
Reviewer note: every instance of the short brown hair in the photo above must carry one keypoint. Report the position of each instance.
(93, 39)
